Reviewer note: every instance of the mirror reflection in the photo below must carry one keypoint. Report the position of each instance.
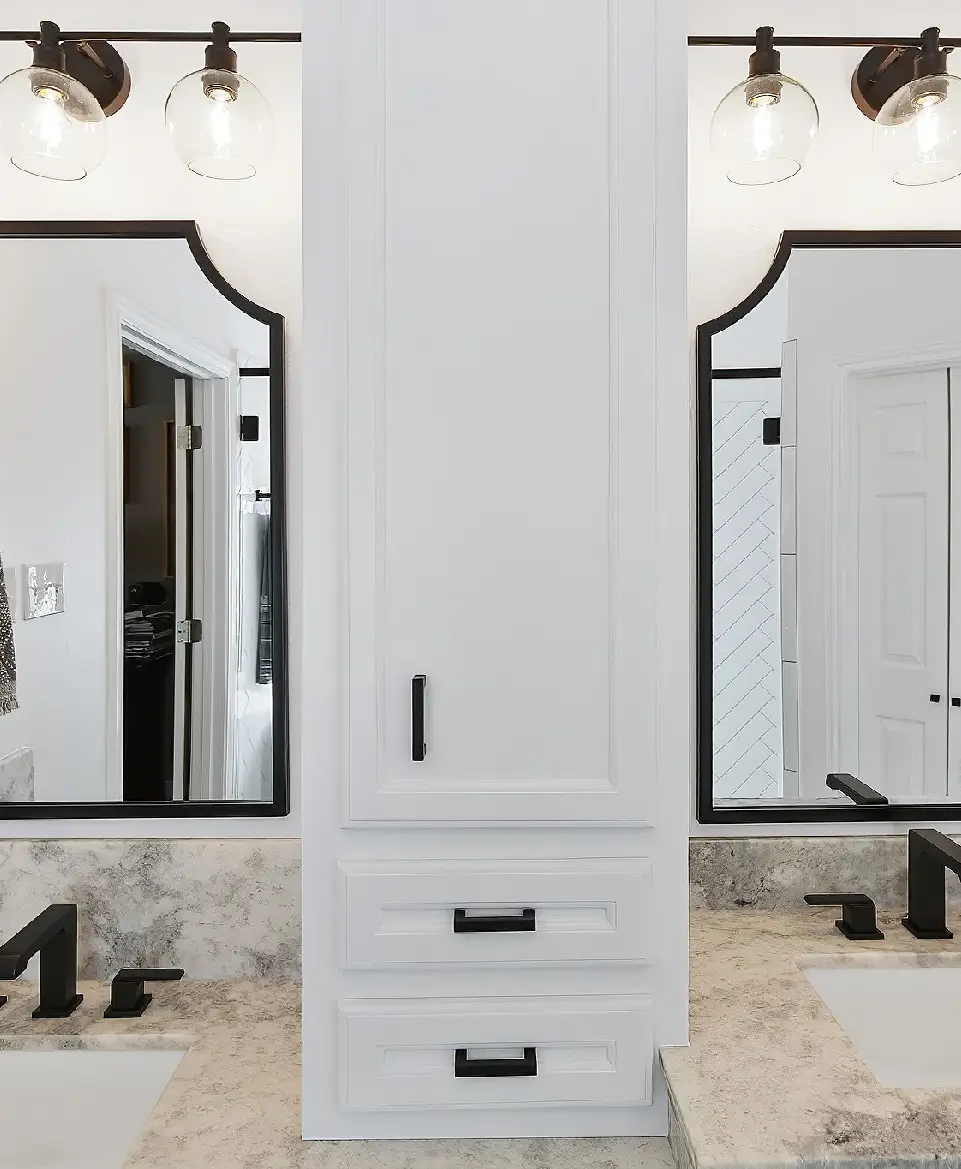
(136, 621)
(835, 457)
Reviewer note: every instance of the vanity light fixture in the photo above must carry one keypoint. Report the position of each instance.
(917, 132)
(53, 114)
(51, 124)
(220, 122)
(763, 129)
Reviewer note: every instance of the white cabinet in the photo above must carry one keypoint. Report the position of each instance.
(501, 274)
(496, 481)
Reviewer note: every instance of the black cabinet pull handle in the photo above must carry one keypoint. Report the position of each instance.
(935, 697)
(418, 748)
(495, 923)
(465, 1068)
(956, 701)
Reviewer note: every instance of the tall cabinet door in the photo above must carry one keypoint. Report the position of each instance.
(501, 359)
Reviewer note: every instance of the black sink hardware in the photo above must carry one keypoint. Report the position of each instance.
(858, 920)
(465, 1068)
(854, 789)
(53, 935)
(929, 854)
(495, 923)
(418, 747)
(127, 997)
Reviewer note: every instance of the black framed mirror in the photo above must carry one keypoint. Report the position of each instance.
(143, 613)
(828, 540)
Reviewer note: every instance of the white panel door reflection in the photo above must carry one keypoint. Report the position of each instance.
(902, 567)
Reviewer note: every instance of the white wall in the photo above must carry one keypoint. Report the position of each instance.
(252, 230)
(733, 231)
(54, 462)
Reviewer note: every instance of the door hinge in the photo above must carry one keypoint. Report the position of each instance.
(190, 438)
(249, 428)
(190, 632)
(771, 432)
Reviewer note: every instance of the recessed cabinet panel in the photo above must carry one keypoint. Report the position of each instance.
(401, 913)
(583, 1051)
(500, 497)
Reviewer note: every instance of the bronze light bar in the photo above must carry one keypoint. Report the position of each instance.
(824, 42)
(168, 37)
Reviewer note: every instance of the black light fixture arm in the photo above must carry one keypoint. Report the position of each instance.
(30, 36)
(779, 42)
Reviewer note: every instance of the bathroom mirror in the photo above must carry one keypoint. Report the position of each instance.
(829, 535)
(143, 609)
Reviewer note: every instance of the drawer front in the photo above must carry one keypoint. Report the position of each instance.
(416, 1054)
(405, 913)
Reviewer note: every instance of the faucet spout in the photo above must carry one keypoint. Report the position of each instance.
(53, 935)
(930, 853)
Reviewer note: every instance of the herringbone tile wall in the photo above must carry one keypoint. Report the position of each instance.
(747, 655)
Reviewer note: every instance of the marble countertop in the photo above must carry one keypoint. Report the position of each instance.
(770, 1078)
(234, 1100)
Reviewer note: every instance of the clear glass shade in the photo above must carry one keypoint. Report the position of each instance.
(763, 129)
(220, 123)
(917, 134)
(50, 124)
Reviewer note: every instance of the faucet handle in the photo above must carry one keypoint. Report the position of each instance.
(127, 997)
(858, 921)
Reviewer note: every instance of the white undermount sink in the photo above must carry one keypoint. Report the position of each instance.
(904, 1019)
(77, 1109)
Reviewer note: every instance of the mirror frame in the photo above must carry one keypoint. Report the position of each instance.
(705, 809)
(279, 805)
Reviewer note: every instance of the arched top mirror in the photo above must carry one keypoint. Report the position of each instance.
(143, 664)
(829, 543)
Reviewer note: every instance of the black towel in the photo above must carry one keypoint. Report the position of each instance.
(265, 636)
(8, 656)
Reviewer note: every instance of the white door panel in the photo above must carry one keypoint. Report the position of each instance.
(496, 507)
(903, 583)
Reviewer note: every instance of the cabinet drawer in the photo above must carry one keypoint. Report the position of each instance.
(400, 913)
(437, 1053)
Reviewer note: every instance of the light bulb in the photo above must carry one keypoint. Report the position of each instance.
(50, 124)
(220, 123)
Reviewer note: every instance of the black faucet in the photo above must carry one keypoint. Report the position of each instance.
(52, 935)
(929, 854)
(854, 789)
(859, 919)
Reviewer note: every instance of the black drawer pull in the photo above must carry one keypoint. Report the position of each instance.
(496, 923)
(465, 1068)
(418, 748)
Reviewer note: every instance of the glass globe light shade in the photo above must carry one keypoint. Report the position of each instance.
(50, 124)
(763, 129)
(220, 123)
(917, 134)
